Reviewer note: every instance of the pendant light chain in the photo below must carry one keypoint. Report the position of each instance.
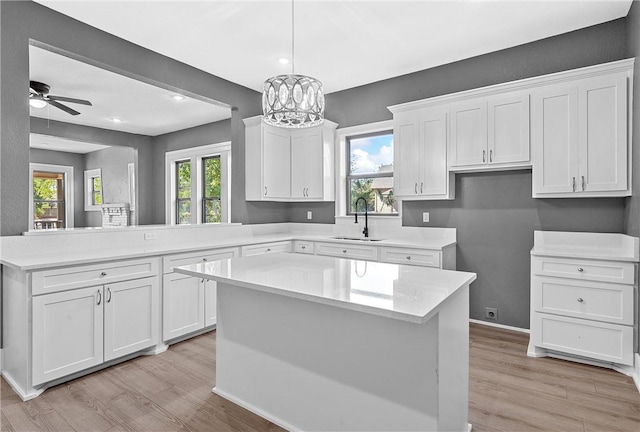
(293, 39)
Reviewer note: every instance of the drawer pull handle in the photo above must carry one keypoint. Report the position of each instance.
(109, 295)
(204, 259)
(344, 251)
(580, 269)
(268, 249)
(99, 297)
(303, 247)
(103, 274)
(580, 299)
(409, 257)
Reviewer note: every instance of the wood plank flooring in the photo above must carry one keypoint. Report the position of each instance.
(508, 391)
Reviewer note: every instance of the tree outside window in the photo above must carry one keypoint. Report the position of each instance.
(48, 200)
(211, 205)
(183, 192)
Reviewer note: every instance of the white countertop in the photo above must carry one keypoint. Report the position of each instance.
(407, 293)
(585, 245)
(32, 256)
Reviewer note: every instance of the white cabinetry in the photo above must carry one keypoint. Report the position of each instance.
(189, 303)
(421, 155)
(352, 251)
(490, 132)
(284, 165)
(263, 248)
(579, 134)
(583, 309)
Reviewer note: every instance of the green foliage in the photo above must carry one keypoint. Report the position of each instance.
(44, 189)
(184, 179)
(212, 189)
(362, 188)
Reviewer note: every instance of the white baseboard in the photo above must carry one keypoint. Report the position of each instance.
(501, 326)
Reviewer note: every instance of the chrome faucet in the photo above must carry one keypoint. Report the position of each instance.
(365, 231)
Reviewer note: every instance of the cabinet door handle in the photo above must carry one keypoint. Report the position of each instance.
(409, 257)
(421, 184)
(205, 259)
(574, 184)
(202, 280)
(580, 269)
(580, 300)
(484, 153)
(265, 191)
(344, 251)
(103, 274)
(99, 297)
(490, 155)
(269, 250)
(108, 295)
(583, 183)
(415, 187)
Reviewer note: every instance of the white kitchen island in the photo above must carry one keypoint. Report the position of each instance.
(328, 344)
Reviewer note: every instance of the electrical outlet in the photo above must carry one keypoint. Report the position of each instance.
(150, 236)
(425, 216)
(309, 215)
(491, 313)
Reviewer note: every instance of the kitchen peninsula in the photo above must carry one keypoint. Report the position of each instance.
(323, 343)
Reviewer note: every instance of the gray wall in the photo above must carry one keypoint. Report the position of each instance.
(113, 163)
(494, 212)
(74, 160)
(25, 20)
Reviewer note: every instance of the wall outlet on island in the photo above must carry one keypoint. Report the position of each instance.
(491, 313)
(425, 216)
(150, 236)
(309, 215)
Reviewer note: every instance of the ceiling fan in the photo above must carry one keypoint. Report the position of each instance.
(39, 97)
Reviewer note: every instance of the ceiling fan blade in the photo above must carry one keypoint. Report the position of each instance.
(71, 100)
(63, 107)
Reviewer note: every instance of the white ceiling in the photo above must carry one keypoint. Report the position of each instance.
(47, 142)
(343, 43)
(144, 109)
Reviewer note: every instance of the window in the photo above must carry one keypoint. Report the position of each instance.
(198, 186)
(93, 190)
(370, 173)
(51, 197)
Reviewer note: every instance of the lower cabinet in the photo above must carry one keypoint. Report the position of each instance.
(189, 303)
(77, 329)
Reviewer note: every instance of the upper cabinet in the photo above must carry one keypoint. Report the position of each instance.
(490, 133)
(289, 165)
(420, 154)
(581, 147)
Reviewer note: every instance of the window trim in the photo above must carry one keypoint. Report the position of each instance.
(196, 154)
(204, 197)
(68, 190)
(89, 175)
(342, 157)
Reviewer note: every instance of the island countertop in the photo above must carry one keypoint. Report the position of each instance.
(407, 293)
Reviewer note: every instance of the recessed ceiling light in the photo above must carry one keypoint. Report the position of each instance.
(115, 120)
(178, 97)
(283, 61)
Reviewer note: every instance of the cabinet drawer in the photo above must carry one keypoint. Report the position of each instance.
(67, 278)
(597, 340)
(305, 247)
(263, 248)
(177, 260)
(347, 251)
(410, 256)
(584, 299)
(604, 271)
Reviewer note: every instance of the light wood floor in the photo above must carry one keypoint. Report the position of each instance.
(172, 392)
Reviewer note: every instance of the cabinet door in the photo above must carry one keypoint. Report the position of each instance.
(130, 316)
(554, 134)
(307, 160)
(407, 154)
(469, 133)
(603, 134)
(67, 332)
(182, 305)
(210, 302)
(433, 157)
(508, 128)
(276, 163)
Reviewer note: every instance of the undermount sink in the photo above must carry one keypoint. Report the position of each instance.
(366, 239)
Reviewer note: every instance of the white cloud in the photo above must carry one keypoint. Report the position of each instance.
(363, 162)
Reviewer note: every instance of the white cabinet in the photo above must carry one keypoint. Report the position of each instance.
(490, 133)
(419, 257)
(285, 165)
(583, 309)
(420, 154)
(302, 246)
(80, 328)
(263, 248)
(579, 135)
(189, 303)
(359, 251)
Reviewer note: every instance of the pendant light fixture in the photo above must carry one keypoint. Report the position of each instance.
(293, 101)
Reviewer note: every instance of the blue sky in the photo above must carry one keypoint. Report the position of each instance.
(371, 152)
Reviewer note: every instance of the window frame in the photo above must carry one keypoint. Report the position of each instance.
(204, 198)
(196, 155)
(341, 163)
(68, 191)
(176, 207)
(89, 192)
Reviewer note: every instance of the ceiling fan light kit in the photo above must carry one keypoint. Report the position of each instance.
(293, 101)
(39, 97)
